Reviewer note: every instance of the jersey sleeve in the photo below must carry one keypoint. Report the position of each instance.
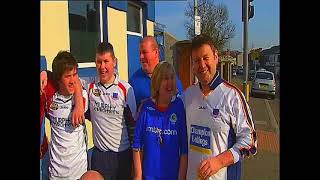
(242, 123)
(139, 130)
(131, 101)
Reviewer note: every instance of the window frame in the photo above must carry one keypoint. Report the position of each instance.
(91, 63)
(141, 19)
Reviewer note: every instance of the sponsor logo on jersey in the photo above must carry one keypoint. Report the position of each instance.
(96, 92)
(150, 108)
(54, 106)
(202, 107)
(215, 113)
(115, 96)
(64, 107)
(106, 108)
(157, 130)
(173, 118)
(60, 122)
(200, 139)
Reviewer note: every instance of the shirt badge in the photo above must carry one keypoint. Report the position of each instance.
(54, 106)
(96, 92)
(115, 96)
(215, 113)
(173, 118)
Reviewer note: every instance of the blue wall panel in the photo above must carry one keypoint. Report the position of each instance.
(120, 5)
(133, 54)
(43, 63)
(150, 10)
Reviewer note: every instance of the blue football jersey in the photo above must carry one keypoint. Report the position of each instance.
(162, 136)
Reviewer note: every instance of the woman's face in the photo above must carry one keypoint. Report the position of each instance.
(167, 86)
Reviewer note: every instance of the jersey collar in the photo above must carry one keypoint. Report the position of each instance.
(216, 80)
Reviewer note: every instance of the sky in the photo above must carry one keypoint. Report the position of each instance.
(263, 28)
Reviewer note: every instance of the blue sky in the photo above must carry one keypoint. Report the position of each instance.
(263, 27)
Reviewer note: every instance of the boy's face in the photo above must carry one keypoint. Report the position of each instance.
(67, 81)
(105, 65)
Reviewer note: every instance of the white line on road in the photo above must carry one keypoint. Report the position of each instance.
(271, 117)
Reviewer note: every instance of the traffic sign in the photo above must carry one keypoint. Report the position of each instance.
(197, 25)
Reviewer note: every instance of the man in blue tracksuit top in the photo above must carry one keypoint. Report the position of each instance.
(141, 79)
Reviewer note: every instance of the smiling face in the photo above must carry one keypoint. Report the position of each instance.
(163, 83)
(167, 86)
(204, 63)
(149, 54)
(105, 64)
(67, 82)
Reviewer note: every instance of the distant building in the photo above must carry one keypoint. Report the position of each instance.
(271, 59)
(169, 41)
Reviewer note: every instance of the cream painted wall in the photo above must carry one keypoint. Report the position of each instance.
(117, 36)
(54, 29)
(150, 30)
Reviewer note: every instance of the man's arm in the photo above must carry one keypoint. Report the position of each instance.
(78, 111)
(137, 164)
(211, 166)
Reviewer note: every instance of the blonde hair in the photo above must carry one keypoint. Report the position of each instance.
(158, 74)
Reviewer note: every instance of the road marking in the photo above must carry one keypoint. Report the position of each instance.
(261, 122)
(271, 117)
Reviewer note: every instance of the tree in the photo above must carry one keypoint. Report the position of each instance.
(214, 22)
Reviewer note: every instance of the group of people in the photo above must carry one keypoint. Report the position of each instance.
(147, 128)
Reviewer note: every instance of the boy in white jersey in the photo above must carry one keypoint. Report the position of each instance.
(111, 101)
(219, 123)
(68, 150)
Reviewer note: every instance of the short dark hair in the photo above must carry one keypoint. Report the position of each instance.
(62, 62)
(202, 39)
(105, 47)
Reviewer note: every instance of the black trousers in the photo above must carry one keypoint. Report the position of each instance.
(112, 165)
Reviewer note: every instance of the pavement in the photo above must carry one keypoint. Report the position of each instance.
(265, 165)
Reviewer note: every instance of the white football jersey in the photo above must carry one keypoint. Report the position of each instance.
(106, 105)
(215, 123)
(68, 147)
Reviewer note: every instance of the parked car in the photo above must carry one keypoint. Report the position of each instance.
(264, 84)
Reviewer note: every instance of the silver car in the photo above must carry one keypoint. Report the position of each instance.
(264, 83)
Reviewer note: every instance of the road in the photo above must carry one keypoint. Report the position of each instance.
(266, 115)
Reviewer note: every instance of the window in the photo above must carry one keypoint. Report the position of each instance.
(263, 75)
(84, 27)
(134, 18)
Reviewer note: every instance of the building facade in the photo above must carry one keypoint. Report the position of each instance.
(78, 27)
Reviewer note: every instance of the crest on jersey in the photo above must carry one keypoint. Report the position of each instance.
(96, 92)
(54, 106)
(115, 96)
(215, 113)
(173, 118)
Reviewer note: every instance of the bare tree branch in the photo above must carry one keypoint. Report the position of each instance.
(214, 22)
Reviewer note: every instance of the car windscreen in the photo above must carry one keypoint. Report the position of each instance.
(264, 75)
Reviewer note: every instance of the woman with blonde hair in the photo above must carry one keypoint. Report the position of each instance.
(160, 140)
